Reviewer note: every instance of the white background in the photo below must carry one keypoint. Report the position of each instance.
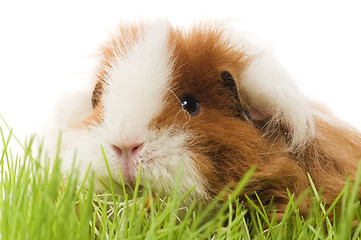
(48, 47)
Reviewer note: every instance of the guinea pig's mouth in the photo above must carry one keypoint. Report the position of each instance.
(128, 188)
(131, 176)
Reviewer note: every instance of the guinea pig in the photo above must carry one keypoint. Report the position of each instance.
(210, 102)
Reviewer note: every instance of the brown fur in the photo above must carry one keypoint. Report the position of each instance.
(225, 145)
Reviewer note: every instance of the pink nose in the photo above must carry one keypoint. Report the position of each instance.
(130, 151)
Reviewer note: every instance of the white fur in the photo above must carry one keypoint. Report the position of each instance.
(162, 157)
(70, 110)
(136, 85)
(272, 90)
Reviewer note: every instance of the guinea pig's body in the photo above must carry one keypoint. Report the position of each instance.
(211, 103)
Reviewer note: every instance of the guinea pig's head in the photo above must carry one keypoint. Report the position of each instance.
(166, 99)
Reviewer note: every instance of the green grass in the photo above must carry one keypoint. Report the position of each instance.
(36, 203)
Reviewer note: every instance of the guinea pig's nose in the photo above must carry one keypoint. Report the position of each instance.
(130, 150)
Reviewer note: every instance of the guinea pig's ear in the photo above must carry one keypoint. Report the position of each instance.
(229, 83)
(275, 99)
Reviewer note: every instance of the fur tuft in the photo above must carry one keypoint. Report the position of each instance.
(272, 90)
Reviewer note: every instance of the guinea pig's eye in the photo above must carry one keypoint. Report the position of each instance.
(191, 105)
